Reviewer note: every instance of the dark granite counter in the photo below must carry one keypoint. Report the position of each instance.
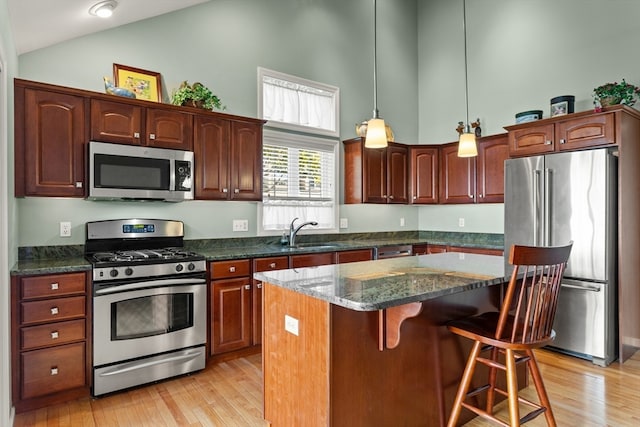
(375, 285)
(50, 266)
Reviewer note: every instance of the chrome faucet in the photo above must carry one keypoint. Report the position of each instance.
(293, 231)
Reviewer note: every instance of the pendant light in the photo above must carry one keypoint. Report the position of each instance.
(376, 136)
(467, 146)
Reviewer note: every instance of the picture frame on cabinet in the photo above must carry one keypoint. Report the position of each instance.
(146, 85)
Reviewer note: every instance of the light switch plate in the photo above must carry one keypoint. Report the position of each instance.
(240, 225)
(344, 223)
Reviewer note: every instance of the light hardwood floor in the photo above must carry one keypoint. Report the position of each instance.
(230, 394)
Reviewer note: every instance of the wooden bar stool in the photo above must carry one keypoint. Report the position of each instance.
(524, 322)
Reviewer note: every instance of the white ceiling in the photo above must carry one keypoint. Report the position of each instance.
(39, 23)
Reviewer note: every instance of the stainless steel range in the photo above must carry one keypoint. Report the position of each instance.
(149, 303)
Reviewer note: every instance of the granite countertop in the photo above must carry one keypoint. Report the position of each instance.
(375, 285)
(50, 266)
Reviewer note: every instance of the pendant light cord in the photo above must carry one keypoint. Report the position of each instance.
(375, 63)
(466, 74)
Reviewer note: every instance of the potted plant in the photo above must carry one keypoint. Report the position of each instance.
(615, 93)
(196, 95)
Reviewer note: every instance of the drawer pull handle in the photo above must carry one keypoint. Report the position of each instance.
(272, 265)
(547, 142)
(225, 190)
(54, 335)
(79, 184)
(247, 287)
(259, 285)
(136, 134)
(237, 190)
(55, 286)
(563, 141)
(54, 311)
(152, 136)
(54, 370)
(232, 269)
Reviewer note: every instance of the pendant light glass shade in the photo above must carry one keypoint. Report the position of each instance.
(376, 136)
(467, 146)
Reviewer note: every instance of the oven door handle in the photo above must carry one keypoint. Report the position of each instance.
(149, 284)
(133, 366)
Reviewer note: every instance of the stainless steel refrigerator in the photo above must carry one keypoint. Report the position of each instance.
(552, 199)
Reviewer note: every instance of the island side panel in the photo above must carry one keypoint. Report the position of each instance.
(295, 367)
(413, 384)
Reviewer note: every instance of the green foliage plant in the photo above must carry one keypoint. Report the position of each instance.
(196, 95)
(616, 93)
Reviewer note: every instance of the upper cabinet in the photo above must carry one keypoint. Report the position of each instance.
(474, 179)
(228, 156)
(375, 175)
(50, 133)
(562, 133)
(127, 123)
(423, 173)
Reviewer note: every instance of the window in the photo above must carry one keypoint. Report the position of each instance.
(299, 169)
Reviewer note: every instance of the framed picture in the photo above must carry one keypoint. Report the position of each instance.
(559, 108)
(145, 84)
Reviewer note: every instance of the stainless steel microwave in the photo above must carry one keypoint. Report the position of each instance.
(133, 172)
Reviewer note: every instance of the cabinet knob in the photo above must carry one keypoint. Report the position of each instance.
(54, 335)
(272, 265)
(79, 184)
(136, 134)
(247, 287)
(384, 196)
(481, 196)
(152, 136)
(563, 141)
(259, 285)
(236, 190)
(54, 286)
(470, 196)
(547, 142)
(415, 197)
(232, 269)
(391, 197)
(54, 311)
(54, 370)
(225, 190)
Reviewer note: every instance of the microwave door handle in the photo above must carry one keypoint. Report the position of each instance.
(149, 284)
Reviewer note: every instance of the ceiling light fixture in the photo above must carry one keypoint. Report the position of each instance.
(467, 146)
(376, 136)
(104, 9)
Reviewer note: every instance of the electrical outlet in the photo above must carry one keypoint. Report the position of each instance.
(460, 222)
(344, 223)
(65, 229)
(291, 325)
(240, 225)
(401, 222)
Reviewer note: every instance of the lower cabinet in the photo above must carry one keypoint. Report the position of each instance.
(49, 336)
(436, 249)
(354, 256)
(311, 260)
(262, 264)
(230, 305)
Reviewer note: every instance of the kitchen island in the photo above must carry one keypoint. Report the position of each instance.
(366, 344)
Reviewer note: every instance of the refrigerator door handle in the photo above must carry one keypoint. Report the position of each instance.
(537, 196)
(581, 287)
(548, 174)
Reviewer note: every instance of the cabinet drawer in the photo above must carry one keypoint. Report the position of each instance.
(52, 334)
(234, 268)
(53, 309)
(312, 260)
(52, 370)
(354, 256)
(53, 285)
(271, 263)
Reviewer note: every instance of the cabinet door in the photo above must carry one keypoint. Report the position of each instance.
(492, 152)
(52, 370)
(54, 137)
(211, 154)
(374, 175)
(591, 131)
(532, 139)
(169, 129)
(421, 249)
(457, 176)
(397, 173)
(424, 175)
(230, 315)
(117, 122)
(246, 161)
(436, 249)
(354, 256)
(262, 264)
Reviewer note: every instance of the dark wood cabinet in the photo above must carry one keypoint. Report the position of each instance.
(474, 179)
(423, 173)
(230, 305)
(262, 264)
(50, 336)
(127, 123)
(50, 134)
(312, 259)
(481, 251)
(563, 133)
(420, 249)
(354, 255)
(375, 175)
(228, 157)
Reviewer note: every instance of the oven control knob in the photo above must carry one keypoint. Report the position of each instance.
(191, 266)
(113, 273)
(179, 268)
(128, 271)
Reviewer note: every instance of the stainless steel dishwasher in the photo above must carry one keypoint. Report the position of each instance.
(392, 251)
